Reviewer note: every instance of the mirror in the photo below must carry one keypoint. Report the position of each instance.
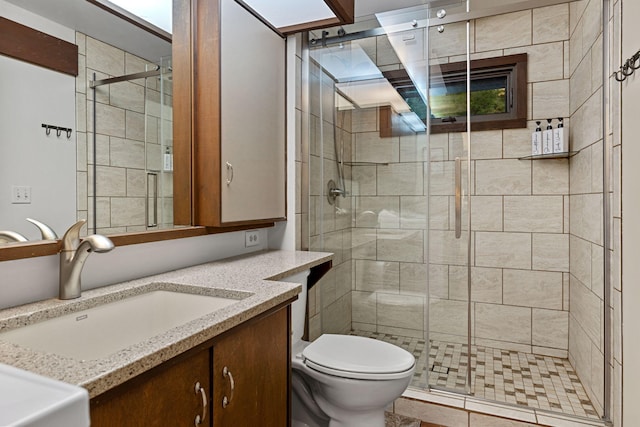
(47, 161)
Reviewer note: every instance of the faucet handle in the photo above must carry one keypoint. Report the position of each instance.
(46, 231)
(71, 239)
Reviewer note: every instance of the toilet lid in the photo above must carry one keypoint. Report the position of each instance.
(357, 357)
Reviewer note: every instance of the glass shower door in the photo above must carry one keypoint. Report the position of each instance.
(368, 181)
(449, 203)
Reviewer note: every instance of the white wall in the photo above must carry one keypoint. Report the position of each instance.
(35, 279)
(31, 96)
(630, 215)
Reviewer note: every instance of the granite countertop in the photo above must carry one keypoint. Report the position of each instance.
(253, 277)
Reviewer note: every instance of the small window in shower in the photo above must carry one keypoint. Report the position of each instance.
(498, 94)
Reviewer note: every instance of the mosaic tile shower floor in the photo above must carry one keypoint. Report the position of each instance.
(512, 377)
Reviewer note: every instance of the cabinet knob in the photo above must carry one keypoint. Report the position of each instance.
(200, 390)
(227, 374)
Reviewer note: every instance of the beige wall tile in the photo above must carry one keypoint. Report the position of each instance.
(413, 148)
(110, 120)
(592, 24)
(401, 311)
(448, 317)
(503, 177)
(486, 213)
(551, 177)
(585, 308)
(372, 276)
(551, 100)
(580, 351)
(517, 142)
(137, 183)
(542, 214)
(438, 147)
(337, 317)
(451, 42)
(127, 95)
(413, 212)
(580, 259)
(581, 83)
(551, 252)
(444, 248)
(551, 23)
(111, 182)
(378, 212)
(127, 153)
(486, 284)
(544, 61)
(371, 148)
(127, 211)
(401, 245)
(587, 226)
(503, 31)
(439, 212)
(484, 144)
(363, 241)
(82, 191)
(364, 307)
(105, 58)
(365, 120)
(503, 323)
(441, 178)
(503, 250)
(134, 125)
(413, 278)
(401, 179)
(438, 280)
(528, 288)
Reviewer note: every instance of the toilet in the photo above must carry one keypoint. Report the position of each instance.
(343, 380)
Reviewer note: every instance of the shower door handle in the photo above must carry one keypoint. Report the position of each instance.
(152, 186)
(458, 191)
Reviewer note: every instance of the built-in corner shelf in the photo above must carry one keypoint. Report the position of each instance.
(564, 155)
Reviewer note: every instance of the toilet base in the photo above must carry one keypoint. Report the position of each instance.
(370, 419)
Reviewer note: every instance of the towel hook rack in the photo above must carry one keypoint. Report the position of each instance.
(628, 68)
(59, 130)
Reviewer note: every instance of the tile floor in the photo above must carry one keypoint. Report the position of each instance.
(511, 377)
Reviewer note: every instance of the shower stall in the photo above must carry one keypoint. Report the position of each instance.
(450, 238)
(130, 165)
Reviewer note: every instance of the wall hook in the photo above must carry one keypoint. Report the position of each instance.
(68, 133)
(629, 67)
(58, 132)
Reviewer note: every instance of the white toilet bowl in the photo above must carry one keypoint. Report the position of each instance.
(343, 380)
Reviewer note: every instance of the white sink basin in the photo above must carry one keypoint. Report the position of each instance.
(106, 329)
(29, 400)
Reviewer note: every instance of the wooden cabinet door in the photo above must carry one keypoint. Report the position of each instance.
(253, 108)
(165, 397)
(257, 356)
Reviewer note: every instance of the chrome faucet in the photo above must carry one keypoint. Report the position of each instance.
(73, 255)
(46, 231)
(12, 236)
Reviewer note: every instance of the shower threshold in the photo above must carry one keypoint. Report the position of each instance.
(504, 376)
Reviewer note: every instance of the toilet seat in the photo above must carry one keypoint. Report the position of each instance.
(356, 357)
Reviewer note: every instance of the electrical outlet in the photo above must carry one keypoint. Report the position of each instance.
(20, 194)
(251, 238)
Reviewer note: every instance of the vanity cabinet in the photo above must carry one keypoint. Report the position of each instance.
(165, 396)
(234, 118)
(244, 375)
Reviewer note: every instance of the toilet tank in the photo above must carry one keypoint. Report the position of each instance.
(298, 308)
